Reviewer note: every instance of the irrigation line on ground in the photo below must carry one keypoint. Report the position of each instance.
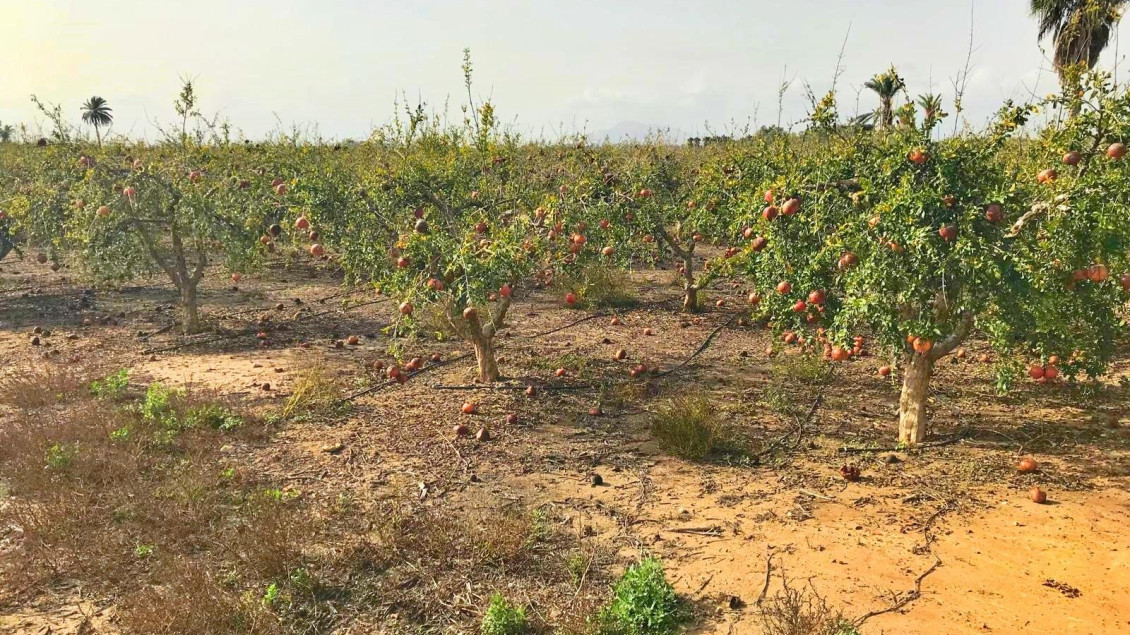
(385, 384)
(702, 347)
(235, 334)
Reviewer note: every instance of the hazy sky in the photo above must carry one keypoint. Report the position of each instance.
(554, 65)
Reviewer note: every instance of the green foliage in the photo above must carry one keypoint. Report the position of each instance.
(112, 386)
(158, 404)
(644, 603)
(213, 416)
(503, 618)
(121, 434)
(60, 456)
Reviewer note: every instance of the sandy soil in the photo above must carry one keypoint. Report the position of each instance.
(958, 513)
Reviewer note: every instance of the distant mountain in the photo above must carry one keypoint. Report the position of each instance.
(635, 131)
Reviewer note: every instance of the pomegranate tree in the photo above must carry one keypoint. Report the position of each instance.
(451, 225)
(169, 210)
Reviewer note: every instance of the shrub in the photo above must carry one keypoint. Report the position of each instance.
(40, 385)
(644, 603)
(503, 618)
(314, 390)
(158, 404)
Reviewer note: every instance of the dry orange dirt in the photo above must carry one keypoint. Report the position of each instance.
(958, 512)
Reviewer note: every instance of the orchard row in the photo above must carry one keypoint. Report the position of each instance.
(910, 241)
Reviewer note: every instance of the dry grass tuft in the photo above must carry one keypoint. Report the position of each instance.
(314, 390)
(801, 611)
(600, 286)
(43, 384)
(688, 427)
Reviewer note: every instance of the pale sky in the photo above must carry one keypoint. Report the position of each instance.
(562, 65)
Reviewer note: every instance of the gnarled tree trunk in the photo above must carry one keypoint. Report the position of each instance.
(912, 402)
(690, 288)
(484, 356)
(480, 333)
(916, 384)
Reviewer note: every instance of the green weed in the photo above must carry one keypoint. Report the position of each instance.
(503, 618)
(644, 603)
(112, 386)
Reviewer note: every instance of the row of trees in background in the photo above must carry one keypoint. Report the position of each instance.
(844, 234)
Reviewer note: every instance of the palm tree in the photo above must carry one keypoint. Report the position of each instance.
(931, 105)
(1080, 29)
(887, 85)
(97, 113)
(6, 132)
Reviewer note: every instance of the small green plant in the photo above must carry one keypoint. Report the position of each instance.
(280, 496)
(688, 427)
(112, 386)
(121, 434)
(539, 524)
(61, 456)
(503, 618)
(577, 565)
(143, 551)
(778, 399)
(644, 603)
(158, 404)
(213, 416)
(272, 596)
(799, 369)
(301, 579)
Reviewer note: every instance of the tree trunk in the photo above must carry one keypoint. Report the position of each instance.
(98, 135)
(690, 290)
(484, 355)
(480, 334)
(912, 403)
(190, 315)
(690, 298)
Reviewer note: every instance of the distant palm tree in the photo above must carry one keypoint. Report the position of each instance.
(887, 86)
(1080, 29)
(6, 132)
(97, 112)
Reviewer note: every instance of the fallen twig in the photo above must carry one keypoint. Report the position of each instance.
(797, 429)
(713, 532)
(702, 347)
(915, 593)
(163, 329)
(569, 325)
(768, 577)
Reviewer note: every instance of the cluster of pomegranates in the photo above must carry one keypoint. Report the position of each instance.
(1045, 373)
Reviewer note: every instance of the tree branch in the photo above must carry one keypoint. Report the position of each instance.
(943, 348)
